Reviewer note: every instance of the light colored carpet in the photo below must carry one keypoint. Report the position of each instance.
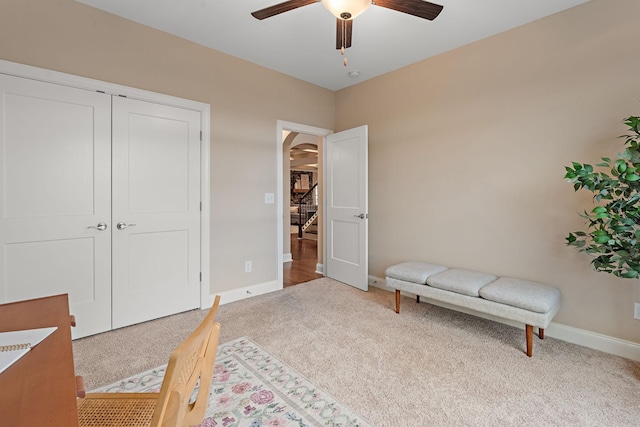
(425, 366)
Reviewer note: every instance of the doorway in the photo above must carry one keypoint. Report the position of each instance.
(343, 216)
(304, 219)
(300, 259)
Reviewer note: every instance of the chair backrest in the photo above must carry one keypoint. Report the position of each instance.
(190, 366)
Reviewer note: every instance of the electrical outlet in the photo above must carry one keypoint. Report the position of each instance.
(269, 198)
(247, 266)
(636, 311)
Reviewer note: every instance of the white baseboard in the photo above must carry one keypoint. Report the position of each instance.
(320, 268)
(246, 292)
(287, 258)
(582, 337)
(605, 343)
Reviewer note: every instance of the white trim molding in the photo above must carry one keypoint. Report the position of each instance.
(589, 339)
(605, 343)
(244, 293)
(287, 257)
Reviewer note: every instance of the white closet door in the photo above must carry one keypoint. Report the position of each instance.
(55, 167)
(156, 201)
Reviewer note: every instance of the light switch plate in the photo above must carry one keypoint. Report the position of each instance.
(269, 198)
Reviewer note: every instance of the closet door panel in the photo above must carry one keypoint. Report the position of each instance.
(156, 201)
(55, 162)
(158, 157)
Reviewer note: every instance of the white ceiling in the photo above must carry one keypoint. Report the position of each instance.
(301, 42)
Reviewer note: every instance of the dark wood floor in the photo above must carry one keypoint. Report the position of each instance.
(303, 267)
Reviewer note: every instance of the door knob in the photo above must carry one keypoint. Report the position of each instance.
(101, 226)
(122, 225)
(361, 216)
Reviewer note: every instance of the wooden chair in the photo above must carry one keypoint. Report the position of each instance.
(173, 406)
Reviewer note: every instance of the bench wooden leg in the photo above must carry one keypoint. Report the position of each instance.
(530, 340)
(541, 333)
(397, 301)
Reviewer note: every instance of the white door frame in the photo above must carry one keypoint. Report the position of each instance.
(41, 74)
(300, 128)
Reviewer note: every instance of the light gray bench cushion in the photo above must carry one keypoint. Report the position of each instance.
(464, 282)
(540, 320)
(533, 296)
(413, 271)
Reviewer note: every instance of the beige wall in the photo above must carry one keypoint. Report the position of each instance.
(467, 154)
(246, 100)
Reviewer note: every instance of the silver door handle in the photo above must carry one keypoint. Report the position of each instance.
(361, 216)
(122, 225)
(101, 226)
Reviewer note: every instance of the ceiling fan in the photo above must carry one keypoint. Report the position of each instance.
(346, 10)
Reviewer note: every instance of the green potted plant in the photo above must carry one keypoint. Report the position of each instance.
(613, 232)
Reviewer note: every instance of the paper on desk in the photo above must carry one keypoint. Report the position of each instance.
(27, 338)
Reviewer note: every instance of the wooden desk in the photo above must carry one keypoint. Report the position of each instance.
(40, 388)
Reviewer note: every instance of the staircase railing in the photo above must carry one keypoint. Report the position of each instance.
(307, 208)
(310, 221)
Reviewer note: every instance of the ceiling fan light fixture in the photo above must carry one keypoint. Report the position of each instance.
(351, 7)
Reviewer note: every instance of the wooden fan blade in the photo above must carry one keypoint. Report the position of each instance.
(343, 39)
(419, 8)
(286, 6)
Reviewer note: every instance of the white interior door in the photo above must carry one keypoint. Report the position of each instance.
(347, 207)
(156, 210)
(55, 144)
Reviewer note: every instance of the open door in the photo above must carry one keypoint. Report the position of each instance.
(347, 207)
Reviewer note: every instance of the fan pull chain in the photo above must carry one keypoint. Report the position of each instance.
(344, 39)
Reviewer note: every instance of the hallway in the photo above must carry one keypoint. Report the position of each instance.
(303, 267)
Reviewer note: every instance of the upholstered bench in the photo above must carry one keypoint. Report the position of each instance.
(532, 303)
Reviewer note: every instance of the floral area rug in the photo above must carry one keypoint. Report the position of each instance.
(251, 388)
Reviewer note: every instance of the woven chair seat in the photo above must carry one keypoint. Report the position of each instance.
(117, 409)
